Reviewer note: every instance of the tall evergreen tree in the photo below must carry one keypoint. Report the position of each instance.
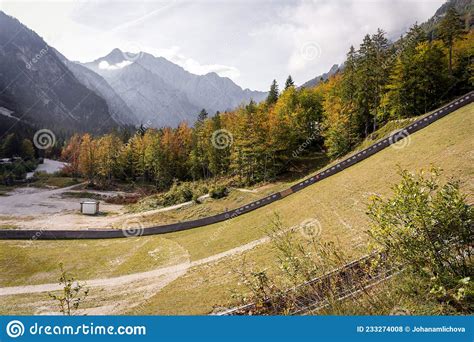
(27, 149)
(272, 97)
(381, 72)
(348, 93)
(366, 87)
(218, 157)
(199, 158)
(202, 116)
(450, 29)
(11, 146)
(289, 82)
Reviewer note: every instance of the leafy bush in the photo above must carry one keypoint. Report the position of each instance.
(219, 192)
(178, 193)
(428, 228)
(9, 172)
(72, 295)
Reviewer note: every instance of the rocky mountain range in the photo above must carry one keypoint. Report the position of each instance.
(163, 93)
(117, 106)
(40, 86)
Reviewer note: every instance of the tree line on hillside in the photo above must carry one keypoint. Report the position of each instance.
(257, 141)
(17, 158)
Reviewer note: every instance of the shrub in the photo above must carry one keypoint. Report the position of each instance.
(72, 295)
(196, 198)
(178, 193)
(299, 259)
(219, 192)
(428, 228)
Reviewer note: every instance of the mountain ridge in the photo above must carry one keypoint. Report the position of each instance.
(40, 88)
(191, 92)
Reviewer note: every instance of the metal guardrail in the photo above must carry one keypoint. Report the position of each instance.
(40, 234)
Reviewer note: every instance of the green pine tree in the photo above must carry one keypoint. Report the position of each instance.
(450, 29)
(202, 116)
(289, 82)
(272, 97)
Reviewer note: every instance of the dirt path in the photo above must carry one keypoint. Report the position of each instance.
(254, 191)
(173, 271)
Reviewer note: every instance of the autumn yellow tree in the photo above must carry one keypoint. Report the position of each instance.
(88, 164)
(108, 148)
(337, 128)
(70, 154)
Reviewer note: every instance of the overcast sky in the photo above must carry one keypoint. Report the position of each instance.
(252, 42)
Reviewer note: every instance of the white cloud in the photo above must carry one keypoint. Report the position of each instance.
(104, 65)
(174, 55)
(195, 67)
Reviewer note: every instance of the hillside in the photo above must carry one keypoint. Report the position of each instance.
(39, 88)
(118, 108)
(318, 79)
(338, 203)
(464, 7)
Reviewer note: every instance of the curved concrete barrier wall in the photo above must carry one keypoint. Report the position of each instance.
(174, 227)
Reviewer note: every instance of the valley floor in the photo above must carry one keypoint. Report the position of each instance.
(43, 208)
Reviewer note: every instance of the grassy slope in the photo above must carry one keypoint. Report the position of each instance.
(28, 262)
(338, 203)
